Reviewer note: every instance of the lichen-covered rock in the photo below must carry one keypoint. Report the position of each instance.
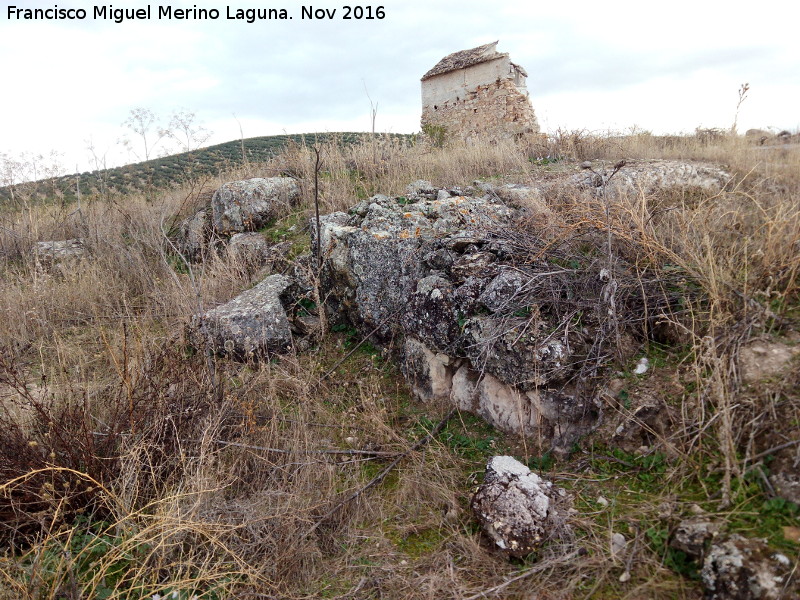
(59, 251)
(738, 568)
(421, 189)
(469, 281)
(372, 257)
(425, 269)
(250, 248)
(252, 325)
(432, 313)
(516, 350)
(648, 177)
(518, 509)
(506, 292)
(252, 203)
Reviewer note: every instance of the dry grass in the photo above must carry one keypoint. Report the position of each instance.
(131, 466)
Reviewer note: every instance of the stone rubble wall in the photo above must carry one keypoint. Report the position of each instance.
(474, 319)
(498, 110)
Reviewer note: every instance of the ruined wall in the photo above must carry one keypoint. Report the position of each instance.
(495, 110)
(455, 85)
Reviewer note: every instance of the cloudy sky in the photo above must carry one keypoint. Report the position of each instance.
(597, 65)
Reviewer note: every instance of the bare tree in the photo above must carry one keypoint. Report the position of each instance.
(373, 113)
(241, 137)
(373, 108)
(18, 172)
(11, 174)
(184, 129)
(144, 123)
(48, 166)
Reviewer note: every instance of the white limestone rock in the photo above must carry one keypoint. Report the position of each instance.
(518, 509)
(760, 360)
(652, 176)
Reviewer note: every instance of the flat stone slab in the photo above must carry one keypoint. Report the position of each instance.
(252, 325)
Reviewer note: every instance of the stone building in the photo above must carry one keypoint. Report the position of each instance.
(477, 93)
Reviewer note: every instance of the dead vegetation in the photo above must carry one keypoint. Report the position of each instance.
(132, 465)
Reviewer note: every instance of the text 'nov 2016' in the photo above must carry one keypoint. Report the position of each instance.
(169, 13)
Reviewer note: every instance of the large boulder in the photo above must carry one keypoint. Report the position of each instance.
(372, 256)
(427, 271)
(518, 509)
(251, 204)
(254, 324)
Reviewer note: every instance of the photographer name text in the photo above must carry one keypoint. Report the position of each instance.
(170, 13)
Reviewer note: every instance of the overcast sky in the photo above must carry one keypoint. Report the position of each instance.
(667, 67)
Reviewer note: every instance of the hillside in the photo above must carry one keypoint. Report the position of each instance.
(172, 170)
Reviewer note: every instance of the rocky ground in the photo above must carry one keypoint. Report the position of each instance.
(486, 319)
(532, 386)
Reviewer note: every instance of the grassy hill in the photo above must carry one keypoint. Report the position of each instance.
(168, 171)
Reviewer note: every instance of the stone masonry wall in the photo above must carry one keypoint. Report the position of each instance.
(455, 85)
(498, 110)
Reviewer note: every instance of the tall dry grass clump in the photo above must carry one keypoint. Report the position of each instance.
(386, 165)
(129, 466)
(736, 255)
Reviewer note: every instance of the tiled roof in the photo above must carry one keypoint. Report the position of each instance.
(464, 59)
